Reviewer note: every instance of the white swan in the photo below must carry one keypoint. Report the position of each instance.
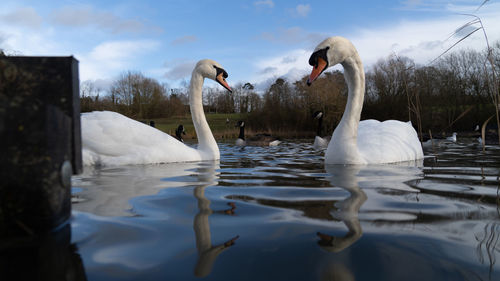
(109, 138)
(368, 141)
(320, 142)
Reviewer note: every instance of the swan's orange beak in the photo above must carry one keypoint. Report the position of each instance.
(221, 80)
(317, 70)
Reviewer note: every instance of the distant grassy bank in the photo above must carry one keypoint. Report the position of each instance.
(222, 126)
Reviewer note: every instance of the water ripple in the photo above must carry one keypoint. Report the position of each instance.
(280, 209)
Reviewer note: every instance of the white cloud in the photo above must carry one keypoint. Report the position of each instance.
(86, 16)
(291, 66)
(184, 40)
(103, 84)
(293, 35)
(179, 70)
(412, 3)
(302, 10)
(268, 3)
(423, 6)
(421, 41)
(29, 42)
(269, 69)
(109, 58)
(26, 16)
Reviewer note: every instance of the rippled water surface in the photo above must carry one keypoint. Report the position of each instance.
(277, 213)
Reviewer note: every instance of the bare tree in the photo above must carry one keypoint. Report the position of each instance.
(476, 24)
(138, 95)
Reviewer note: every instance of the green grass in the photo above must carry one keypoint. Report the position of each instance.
(217, 122)
(220, 128)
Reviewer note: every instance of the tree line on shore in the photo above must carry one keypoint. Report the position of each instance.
(456, 93)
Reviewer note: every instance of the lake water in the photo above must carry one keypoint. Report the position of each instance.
(276, 213)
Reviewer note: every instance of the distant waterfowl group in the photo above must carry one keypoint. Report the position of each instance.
(109, 138)
(441, 141)
(259, 139)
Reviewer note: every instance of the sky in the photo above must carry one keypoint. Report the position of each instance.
(255, 41)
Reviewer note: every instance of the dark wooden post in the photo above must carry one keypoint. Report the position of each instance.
(40, 142)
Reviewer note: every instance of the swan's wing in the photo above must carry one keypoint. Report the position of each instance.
(112, 139)
(388, 141)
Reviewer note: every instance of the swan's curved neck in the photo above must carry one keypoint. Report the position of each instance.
(201, 225)
(206, 141)
(355, 78)
(343, 147)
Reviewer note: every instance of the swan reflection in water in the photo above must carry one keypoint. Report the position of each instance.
(107, 191)
(116, 198)
(344, 176)
(354, 178)
(208, 253)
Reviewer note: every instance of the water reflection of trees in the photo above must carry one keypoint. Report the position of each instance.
(351, 178)
(111, 195)
(488, 246)
(47, 256)
(107, 191)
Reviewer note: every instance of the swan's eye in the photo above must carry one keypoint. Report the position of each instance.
(220, 71)
(313, 60)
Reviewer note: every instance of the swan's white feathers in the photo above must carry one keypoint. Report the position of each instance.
(109, 138)
(113, 139)
(368, 141)
(388, 141)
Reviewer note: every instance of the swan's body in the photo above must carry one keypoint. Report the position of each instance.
(369, 141)
(259, 139)
(319, 141)
(109, 138)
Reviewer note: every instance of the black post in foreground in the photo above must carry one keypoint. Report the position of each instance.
(40, 143)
